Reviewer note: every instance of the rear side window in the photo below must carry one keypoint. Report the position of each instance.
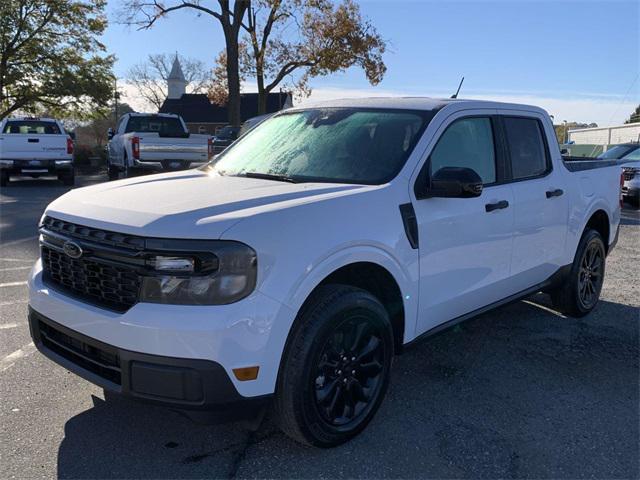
(467, 142)
(526, 147)
(31, 127)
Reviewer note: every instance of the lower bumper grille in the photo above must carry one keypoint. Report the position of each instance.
(100, 360)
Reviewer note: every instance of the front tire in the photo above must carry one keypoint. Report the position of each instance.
(4, 178)
(336, 367)
(112, 172)
(580, 292)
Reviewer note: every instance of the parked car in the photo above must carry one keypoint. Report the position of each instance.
(629, 153)
(317, 246)
(224, 137)
(253, 122)
(618, 152)
(32, 146)
(154, 142)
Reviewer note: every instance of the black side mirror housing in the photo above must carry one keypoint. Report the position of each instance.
(564, 151)
(110, 133)
(455, 182)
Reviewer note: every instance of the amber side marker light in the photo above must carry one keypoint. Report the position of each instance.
(246, 373)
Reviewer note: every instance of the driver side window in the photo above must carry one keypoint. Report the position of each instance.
(467, 142)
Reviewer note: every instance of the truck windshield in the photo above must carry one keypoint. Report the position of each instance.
(164, 126)
(343, 145)
(31, 127)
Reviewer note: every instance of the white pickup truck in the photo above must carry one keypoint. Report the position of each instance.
(154, 141)
(291, 271)
(34, 147)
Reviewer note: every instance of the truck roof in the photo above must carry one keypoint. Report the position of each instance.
(22, 119)
(141, 114)
(412, 103)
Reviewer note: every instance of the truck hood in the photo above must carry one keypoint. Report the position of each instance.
(190, 204)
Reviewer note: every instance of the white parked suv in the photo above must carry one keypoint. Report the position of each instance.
(153, 142)
(291, 271)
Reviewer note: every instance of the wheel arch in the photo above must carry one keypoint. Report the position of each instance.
(374, 270)
(600, 222)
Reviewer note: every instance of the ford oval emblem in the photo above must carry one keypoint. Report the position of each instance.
(72, 249)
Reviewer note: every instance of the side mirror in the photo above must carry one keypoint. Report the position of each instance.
(564, 151)
(110, 133)
(455, 182)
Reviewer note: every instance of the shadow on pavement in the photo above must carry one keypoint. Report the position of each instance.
(518, 392)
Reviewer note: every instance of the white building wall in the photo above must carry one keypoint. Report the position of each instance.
(606, 135)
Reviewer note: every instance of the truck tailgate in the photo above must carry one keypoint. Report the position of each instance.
(33, 147)
(155, 148)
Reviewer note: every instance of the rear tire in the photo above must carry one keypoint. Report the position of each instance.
(4, 178)
(112, 172)
(67, 178)
(580, 292)
(336, 367)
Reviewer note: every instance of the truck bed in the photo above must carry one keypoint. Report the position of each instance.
(577, 164)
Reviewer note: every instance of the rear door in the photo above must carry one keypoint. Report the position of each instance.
(465, 243)
(540, 203)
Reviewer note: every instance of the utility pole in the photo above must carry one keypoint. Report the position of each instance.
(115, 99)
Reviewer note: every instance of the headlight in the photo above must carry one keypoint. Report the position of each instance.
(225, 274)
(6, 163)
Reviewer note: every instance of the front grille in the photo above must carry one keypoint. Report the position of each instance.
(101, 360)
(113, 287)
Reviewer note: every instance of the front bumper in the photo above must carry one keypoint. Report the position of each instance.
(247, 333)
(191, 386)
(631, 193)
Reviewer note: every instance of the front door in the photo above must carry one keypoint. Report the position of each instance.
(465, 243)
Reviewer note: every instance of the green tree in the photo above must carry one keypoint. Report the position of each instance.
(634, 117)
(51, 57)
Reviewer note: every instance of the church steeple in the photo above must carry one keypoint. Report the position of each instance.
(176, 83)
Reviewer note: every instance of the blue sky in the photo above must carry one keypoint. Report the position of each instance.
(578, 59)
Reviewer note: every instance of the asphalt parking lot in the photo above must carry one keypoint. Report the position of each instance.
(518, 392)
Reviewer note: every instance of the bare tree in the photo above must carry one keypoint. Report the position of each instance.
(144, 14)
(290, 41)
(149, 78)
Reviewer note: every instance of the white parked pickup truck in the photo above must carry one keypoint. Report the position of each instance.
(34, 147)
(291, 271)
(158, 141)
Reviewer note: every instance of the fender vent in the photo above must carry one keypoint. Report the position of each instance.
(410, 224)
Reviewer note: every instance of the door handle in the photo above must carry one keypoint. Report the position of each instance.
(33, 140)
(554, 193)
(490, 207)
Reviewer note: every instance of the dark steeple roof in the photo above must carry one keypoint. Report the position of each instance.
(196, 107)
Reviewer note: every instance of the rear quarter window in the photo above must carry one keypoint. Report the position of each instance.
(527, 148)
(31, 127)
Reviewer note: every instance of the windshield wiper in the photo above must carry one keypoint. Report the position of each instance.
(269, 176)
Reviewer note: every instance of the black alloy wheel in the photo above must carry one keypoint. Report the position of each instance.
(591, 275)
(348, 375)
